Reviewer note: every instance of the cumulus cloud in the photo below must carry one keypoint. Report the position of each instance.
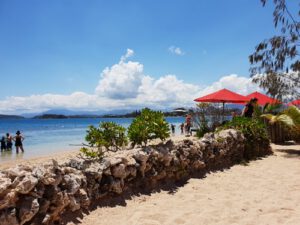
(122, 80)
(126, 86)
(175, 50)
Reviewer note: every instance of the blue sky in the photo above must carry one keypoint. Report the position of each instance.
(60, 47)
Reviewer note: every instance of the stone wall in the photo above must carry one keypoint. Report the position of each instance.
(41, 194)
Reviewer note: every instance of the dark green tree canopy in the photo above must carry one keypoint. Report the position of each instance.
(277, 58)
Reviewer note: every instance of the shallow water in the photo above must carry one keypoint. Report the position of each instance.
(47, 136)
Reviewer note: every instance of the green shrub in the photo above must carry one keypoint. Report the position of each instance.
(203, 129)
(108, 135)
(289, 119)
(257, 140)
(91, 153)
(148, 126)
(202, 122)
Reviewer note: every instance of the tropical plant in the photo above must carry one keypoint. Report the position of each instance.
(289, 118)
(92, 153)
(257, 140)
(200, 120)
(108, 136)
(147, 126)
(271, 108)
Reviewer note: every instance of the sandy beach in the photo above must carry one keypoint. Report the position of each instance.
(62, 155)
(265, 191)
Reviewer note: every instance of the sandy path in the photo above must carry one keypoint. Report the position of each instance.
(265, 192)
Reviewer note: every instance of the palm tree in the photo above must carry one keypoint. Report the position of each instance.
(289, 118)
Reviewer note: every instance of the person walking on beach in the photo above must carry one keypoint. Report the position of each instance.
(9, 142)
(19, 141)
(249, 108)
(3, 144)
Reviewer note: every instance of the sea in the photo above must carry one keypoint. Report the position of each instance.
(47, 136)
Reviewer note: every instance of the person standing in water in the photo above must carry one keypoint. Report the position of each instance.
(19, 141)
(182, 128)
(188, 122)
(9, 142)
(3, 144)
(173, 128)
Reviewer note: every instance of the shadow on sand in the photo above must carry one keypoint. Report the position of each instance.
(171, 187)
(290, 153)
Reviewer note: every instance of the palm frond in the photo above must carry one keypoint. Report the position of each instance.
(294, 113)
(283, 118)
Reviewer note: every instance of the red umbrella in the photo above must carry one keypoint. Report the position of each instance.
(262, 99)
(295, 102)
(223, 96)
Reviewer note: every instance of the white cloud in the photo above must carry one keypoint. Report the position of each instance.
(128, 54)
(126, 86)
(121, 81)
(233, 82)
(175, 50)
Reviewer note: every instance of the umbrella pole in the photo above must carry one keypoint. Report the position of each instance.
(223, 111)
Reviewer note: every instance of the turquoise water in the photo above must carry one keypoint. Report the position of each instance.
(44, 137)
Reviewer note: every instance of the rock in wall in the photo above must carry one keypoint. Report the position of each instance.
(41, 194)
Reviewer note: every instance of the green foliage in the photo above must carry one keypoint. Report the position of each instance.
(255, 133)
(275, 64)
(282, 118)
(294, 113)
(108, 135)
(91, 153)
(203, 129)
(148, 126)
(200, 119)
(257, 112)
(289, 118)
(271, 108)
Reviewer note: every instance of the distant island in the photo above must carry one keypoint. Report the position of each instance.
(10, 117)
(51, 115)
(126, 115)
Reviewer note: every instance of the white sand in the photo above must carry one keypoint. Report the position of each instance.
(60, 156)
(63, 155)
(265, 192)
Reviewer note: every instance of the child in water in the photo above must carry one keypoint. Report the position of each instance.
(3, 144)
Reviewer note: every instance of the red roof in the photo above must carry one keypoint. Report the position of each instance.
(223, 96)
(262, 99)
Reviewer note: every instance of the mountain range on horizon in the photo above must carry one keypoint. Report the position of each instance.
(68, 112)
